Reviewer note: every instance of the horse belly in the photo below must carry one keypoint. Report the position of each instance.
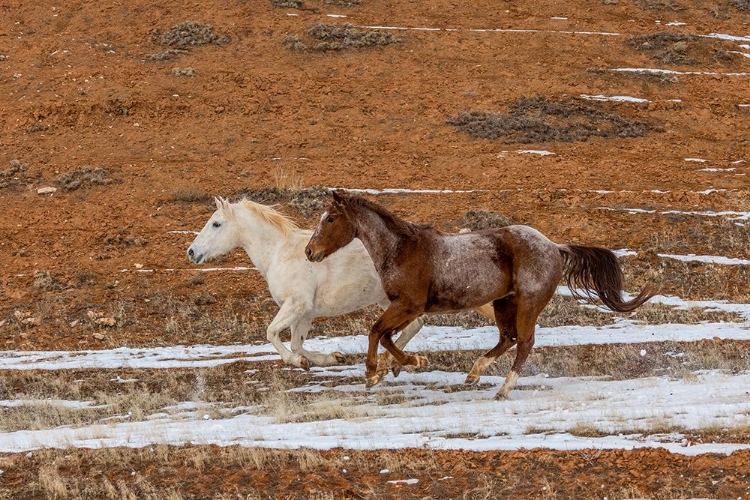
(467, 290)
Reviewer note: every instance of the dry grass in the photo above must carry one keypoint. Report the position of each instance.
(537, 120)
(335, 37)
(188, 34)
(309, 202)
(189, 194)
(84, 177)
(482, 219)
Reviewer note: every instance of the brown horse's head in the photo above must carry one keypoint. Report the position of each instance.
(335, 230)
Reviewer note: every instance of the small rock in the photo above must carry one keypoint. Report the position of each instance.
(99, 336)
(46, 190)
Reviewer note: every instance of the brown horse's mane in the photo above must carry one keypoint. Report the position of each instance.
(394, 223)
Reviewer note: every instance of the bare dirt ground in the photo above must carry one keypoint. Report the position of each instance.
(137, 132)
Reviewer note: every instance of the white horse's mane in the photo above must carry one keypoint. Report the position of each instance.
(270, 215)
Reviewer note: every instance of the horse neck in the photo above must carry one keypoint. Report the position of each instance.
(377, 238)
(260, 238)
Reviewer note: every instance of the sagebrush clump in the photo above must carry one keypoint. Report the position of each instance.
(536, 120)
(329, 37)
(86, 176)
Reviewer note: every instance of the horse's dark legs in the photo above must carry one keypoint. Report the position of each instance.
(526, 324)
(505, 317)
(394, 319)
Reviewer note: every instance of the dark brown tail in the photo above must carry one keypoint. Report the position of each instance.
(597, 272)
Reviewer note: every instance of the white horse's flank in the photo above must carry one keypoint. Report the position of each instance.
(343, 283)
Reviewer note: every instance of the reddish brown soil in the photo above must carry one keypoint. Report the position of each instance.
(77, 90)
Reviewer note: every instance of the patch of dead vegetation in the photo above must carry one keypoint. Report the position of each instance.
(13, 175)
(188, 34)
(307, 201)
(182, 37)
(84, 177)
(537, 120)
(482, 219)
(123, 239)
(224, 473)
(680, 49)
(740, 5)
(335, 37)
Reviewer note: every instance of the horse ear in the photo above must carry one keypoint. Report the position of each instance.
(218, 202)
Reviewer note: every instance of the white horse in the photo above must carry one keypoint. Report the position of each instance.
(343, 283)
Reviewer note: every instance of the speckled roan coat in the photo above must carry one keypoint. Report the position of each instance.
(516, 268)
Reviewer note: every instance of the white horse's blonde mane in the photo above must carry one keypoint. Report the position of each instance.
(270, 215)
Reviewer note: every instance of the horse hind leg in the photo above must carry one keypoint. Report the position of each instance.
(505, 318)
(526, 323)
(308, 358)
(289, 315)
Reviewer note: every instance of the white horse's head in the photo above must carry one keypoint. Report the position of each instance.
(217, 237)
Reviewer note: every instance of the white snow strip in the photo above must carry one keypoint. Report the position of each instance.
(729, 213)
(717, 170)
(731, 38)
(614, 98)
(674, 72)
(696, 160)
(707, 258)
(415, 191)
(491, 30)
(540, 152)
(190, 269)
(430, 338)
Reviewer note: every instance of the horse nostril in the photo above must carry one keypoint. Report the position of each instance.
(190, 252)
(308, 252)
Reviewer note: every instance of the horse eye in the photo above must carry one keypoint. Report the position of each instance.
(217, 224)
(330, 220)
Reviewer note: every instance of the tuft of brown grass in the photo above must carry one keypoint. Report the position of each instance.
(188, 194)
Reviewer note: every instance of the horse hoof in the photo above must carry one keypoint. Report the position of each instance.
(340, 358)
(304, 363)
(501, 396)
(471, 379)
(396, 369)
(371, 381)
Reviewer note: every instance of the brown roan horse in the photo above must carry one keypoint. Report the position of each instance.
(423, 270)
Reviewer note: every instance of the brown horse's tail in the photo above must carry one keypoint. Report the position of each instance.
(597, 272)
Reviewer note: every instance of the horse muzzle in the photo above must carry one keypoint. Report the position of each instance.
(314, 256)
(194, 257)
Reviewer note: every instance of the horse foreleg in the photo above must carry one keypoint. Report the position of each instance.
(386, 360)
(393, 319)
(288, 316)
